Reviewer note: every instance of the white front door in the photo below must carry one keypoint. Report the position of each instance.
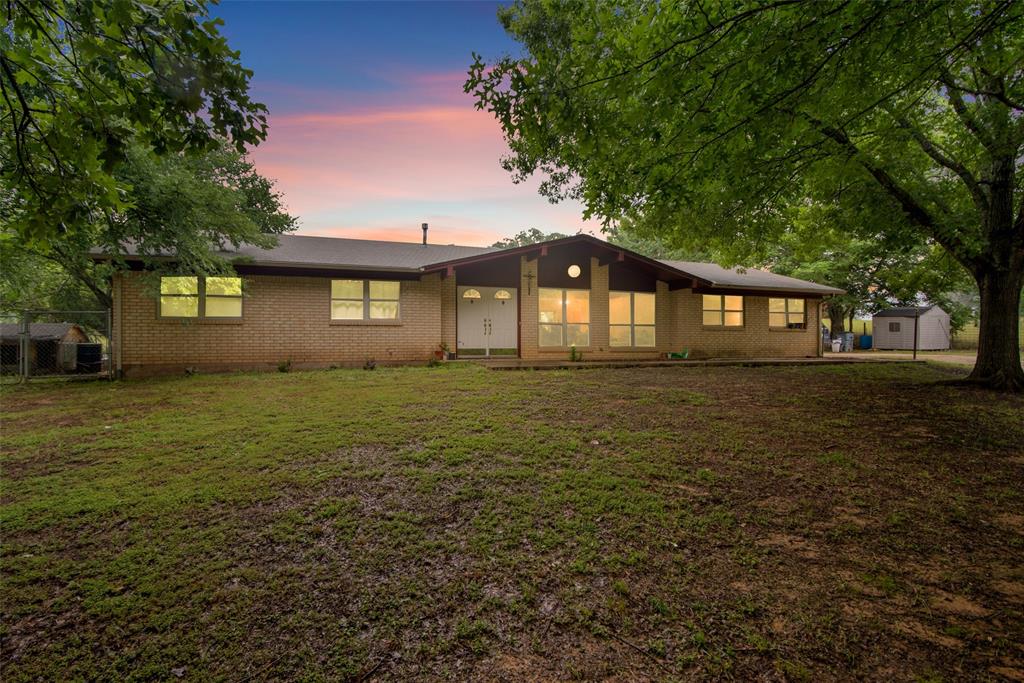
(488, 320)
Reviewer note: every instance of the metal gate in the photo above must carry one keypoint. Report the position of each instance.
(55, 344)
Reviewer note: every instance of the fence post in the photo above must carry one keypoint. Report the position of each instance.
(24, 345)
(110, 344)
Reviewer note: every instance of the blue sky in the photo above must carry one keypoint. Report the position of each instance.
(370, 132)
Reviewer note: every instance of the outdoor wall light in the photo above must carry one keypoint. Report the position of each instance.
(574, 270)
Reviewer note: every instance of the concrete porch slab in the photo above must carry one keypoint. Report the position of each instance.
(521, 364)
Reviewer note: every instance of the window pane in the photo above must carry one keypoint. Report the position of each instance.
(712, 317)
(347, 289)
(796, 305)
(384, 310)
(577, 335)
(550, 306)
(577, 306)
(712, 302)
(179, 285)
(733, 319)
(618, 335)
(384, 290)
(796, 319)
(777, 305)
(644, 335)
(618, 308)
(777, 319)
(346, 310)
(550, 335)
(224, 307)
(179, 306)
(734, 303)
(643, 308)
(225, 286)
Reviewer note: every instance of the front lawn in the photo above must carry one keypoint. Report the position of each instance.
(460, 523)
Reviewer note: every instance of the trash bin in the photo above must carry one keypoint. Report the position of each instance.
(837, 345)
(865, 341)
(847, 339)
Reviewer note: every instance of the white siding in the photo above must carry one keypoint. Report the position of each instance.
(933, 332)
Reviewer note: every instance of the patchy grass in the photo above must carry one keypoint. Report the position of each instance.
(458, 523)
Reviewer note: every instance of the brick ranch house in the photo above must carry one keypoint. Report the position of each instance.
(319, 301)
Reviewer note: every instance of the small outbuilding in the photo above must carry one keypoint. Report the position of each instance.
(51, 346)
(893, 328)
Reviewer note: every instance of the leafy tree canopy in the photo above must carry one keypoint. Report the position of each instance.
(525, 237)
(179, 204)
(81, 83)
(711, 120)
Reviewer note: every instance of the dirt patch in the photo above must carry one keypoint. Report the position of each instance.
(788, 543)
(916, 629)
(1013, 590)
(1011, 521)
(957, 604)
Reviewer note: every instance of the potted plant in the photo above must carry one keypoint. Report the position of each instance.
(442, 352)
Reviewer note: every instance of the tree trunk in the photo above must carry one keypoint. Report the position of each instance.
(999, 362)
(836, 319)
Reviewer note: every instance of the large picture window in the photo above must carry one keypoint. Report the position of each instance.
(787, 313)
(189, 296)
(631, 318)
(365, 299)
(564, 316)
(723, 310)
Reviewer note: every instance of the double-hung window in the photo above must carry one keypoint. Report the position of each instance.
(787, 313)
(189, 296)
(365, 299)
(564, 317)
(631, 318)
(722, 310)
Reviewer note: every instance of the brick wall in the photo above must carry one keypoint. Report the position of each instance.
(283, 318)
(754, 339)
(288, 318)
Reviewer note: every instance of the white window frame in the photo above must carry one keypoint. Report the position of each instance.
(722, 310)
(564, 321)
(366, 300)
(632, 321)
(200, 298)
(786, 313)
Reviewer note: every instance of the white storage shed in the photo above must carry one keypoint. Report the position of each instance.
(894, 328)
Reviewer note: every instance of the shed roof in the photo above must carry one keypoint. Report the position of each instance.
(904, 311)
(36, 331)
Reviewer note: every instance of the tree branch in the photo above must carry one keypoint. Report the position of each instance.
(935, 152)
(917, 213)
(964, 113)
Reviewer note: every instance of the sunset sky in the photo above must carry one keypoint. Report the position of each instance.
(370, 132)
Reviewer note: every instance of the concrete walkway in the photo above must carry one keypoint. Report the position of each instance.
(836, 359)
(962, 357)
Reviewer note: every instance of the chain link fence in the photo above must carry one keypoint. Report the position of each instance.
(55, 344)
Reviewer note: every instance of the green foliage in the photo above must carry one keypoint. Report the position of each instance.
(710, 123)
(647, 242)
(181, 204)
(81, 83)
(526, 237)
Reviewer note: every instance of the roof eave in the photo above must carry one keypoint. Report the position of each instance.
(793, 290)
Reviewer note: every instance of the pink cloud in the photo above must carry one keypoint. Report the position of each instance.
(376, 169)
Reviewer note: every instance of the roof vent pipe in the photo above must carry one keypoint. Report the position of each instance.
(424, 234)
